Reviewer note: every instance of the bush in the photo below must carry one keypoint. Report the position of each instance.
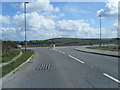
(9, 56)
(7, 46)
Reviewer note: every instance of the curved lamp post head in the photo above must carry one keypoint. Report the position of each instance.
(26, 2)
(99, 15)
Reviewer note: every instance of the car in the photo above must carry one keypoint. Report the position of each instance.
(18, 46)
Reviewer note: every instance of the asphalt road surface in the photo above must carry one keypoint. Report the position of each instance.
(64, 67)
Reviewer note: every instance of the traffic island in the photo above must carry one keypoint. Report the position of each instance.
(9, 56)
(106, 48)
(12, 60)
(99, 52)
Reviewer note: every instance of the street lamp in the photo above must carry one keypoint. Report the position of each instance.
(25, 24)
(100, 30)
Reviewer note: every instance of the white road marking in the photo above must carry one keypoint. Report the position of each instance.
(114, 79)
(55, 49)
(76, 59)
(59, 51)
(61, 47)
(62, 52)
(41, 67)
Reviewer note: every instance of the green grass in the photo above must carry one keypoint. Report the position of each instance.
(8, 68)
(107, 48)
(9, 56)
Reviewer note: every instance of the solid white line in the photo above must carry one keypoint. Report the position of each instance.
(111, 77)
(76, 59)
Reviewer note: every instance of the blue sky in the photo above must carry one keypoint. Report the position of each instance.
(82, 10)
(74, 11)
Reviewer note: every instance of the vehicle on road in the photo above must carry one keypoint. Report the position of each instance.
(18, 46)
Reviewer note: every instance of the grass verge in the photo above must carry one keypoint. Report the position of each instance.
(9, 56)
(107, 48)
(8, 68)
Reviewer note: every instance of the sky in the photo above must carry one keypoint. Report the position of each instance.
(47, 20)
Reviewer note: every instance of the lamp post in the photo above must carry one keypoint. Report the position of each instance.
(100, 31)
(25, 24)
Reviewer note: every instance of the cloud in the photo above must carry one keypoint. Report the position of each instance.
(10, 33)
(34, 22)
(115, 26)
(112, 33)
(40, 27)
(54, 16)
(69, 25)
(76, 26)
(71, 28)
(4, 19)
(116, 29)
(40, 6)
(111, 9)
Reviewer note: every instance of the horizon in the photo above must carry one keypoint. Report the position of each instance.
(62, 38)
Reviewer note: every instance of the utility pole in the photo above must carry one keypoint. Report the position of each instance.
(25, 24)
(100, 32)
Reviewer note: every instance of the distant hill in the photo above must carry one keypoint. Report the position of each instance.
(71, 41)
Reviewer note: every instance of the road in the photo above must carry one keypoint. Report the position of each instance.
(64, 67)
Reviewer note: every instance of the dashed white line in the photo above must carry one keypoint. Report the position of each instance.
(59, 51)
(76, 59)
(62, 52)
(55, 49)
(114, 79)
